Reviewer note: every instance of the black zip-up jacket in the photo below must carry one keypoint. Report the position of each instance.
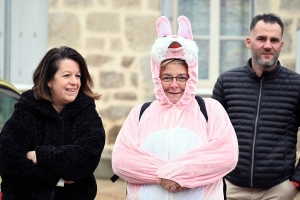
(265, 112)
(68, 145)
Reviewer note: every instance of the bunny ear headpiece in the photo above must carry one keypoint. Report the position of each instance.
(179, 46)
(169, 46)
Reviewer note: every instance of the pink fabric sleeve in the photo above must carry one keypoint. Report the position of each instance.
(211, 161)
(129, 161)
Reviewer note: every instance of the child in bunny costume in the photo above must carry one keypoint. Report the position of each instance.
(172, 152)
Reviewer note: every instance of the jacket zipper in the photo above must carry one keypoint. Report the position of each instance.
(255, 130)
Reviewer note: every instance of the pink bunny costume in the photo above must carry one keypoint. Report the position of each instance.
(174, 141)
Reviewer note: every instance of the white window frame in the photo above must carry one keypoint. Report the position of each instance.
(169, 8)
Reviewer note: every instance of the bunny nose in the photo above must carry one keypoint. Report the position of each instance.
(175, 36)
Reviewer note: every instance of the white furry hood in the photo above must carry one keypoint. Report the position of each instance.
(160, 48)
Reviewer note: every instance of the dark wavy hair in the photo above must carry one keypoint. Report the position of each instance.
(267, 18)
(49, 65)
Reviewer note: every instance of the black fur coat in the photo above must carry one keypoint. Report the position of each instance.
(68, 145)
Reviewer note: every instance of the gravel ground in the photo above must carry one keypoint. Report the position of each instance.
(117, 190)
(108, 190)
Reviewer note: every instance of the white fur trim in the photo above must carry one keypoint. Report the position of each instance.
(160, 47)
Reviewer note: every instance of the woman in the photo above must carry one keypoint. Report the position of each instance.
(52, 143)
(172, 152)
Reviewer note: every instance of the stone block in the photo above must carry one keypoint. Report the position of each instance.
(127, 4)
(53, 3)
(292, 6)
(115, 112)
(127, 60)
(287, 39)
(111, 79)
(154, 5)
(264, 6)
(116, 44)
(103, 22)
(290, 64)
(97, 60)
(140, 32)
(126, 96)
(95, 43)
(112, 134)
(134, 79)
(102, 2)
(146, 73)
(78, 3)
(298, 23)
(64, 29)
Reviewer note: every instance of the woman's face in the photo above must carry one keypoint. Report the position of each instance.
(65, 84)
(174, 87)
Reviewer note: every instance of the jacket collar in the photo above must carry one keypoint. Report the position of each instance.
(267, 75)
(45, 109)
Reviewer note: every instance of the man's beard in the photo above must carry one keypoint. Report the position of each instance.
(265, 63)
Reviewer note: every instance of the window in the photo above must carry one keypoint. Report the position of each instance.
(219, 28)
(9, 95)
(23, 39)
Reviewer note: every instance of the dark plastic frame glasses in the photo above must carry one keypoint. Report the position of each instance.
(182, 78)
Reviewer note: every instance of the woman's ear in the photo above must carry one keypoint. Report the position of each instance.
(49, 84)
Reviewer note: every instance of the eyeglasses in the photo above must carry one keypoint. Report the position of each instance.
(169, 79)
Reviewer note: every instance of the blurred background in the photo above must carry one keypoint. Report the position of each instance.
(115, 37)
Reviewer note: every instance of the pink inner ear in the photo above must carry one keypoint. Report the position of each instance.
(163, 27)
(184, 27)
(183, 31)
(163, 30)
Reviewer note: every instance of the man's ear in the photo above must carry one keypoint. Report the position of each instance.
(248, 42)
(281, 46)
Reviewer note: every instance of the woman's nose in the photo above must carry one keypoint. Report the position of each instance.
(73, 80)
(174, 82)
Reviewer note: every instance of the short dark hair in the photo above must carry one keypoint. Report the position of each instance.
(267, 18)
(49, 65)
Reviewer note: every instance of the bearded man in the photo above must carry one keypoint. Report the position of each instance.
(262, 100)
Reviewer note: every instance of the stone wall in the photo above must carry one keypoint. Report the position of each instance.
(115, 37)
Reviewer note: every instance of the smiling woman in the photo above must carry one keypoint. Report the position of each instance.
(54, 133)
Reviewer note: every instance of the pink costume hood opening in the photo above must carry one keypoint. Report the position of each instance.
(188, 51)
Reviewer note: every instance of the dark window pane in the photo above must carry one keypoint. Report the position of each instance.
(235, 17)
(6, 108)
(203, 46)
(233, 54)
(198, 14)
